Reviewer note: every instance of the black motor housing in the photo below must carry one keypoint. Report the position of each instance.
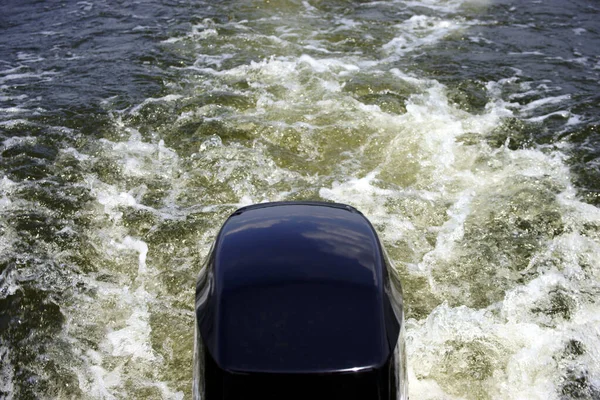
(297, 300)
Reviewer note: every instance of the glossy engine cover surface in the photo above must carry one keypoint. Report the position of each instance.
(296, 288)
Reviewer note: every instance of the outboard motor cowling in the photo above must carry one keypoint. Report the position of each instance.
(297, 300)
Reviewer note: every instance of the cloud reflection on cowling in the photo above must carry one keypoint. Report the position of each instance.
(302, 244)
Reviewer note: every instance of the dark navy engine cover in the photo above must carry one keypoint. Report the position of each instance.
(297, 288)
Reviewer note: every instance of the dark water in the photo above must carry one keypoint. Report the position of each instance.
(467, 131)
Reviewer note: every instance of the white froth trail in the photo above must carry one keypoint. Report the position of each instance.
(511, 349)
(125, 361)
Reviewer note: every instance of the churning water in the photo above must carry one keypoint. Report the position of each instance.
(467, 131)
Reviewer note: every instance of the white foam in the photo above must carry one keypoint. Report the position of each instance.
(562, 114)
(346, 24)
(76, 154)
(574, 119)
(111, 200)
(172, 40)
(444, 6)
(9, 98)
(165, 99)
(515, 360)
(327, 64)
(140, 247)
(28, 57)
(85, 5)
(480, 39)
(527, 53)
(97, 382)
(316, 48)
(9, 277)
(141, 158)
(14, 110)
(134, 339)
(308, 7)
(545, 101)
(46, 75)
(7, 373)
(18, 141)
(216, 60)
(14, 122)
(419, 31)
(206, 34)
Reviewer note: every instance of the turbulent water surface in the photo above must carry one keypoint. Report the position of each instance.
(467, 131)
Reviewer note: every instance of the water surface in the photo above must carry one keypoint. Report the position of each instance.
(465, 130)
